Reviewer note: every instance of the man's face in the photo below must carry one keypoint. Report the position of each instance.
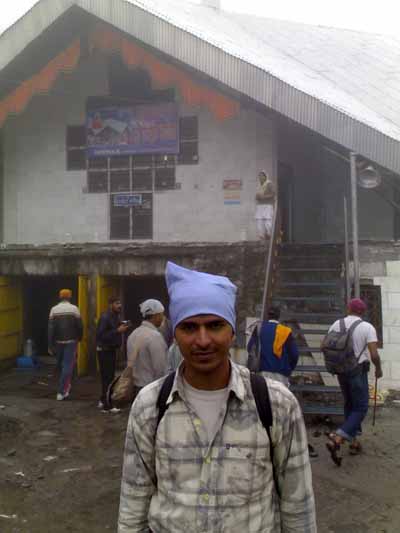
(262, 177)
(204, 341)
(157, 319)
(116, 306)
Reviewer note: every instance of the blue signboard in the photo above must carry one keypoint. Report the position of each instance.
(142, 129)
(127, 200)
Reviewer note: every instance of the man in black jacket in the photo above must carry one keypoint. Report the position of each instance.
(109, 339)
(65, 331)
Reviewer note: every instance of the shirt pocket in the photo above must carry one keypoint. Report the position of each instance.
(245, 473)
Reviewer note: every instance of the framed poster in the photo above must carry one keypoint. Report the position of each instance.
(130, 130)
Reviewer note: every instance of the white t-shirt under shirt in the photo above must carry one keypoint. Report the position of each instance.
(208, 405)
(362, 335)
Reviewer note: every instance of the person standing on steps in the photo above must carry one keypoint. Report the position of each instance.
(272, 349)
(109, 338)
(65, 331)
(265, 198)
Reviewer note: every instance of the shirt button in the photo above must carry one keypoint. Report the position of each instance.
(207, 460)
(206, 497)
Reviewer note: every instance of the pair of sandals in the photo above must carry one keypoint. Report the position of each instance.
(333, 446)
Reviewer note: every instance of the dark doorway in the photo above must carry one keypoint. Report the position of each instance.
(40, 294)
(285, 198)
(138, 289)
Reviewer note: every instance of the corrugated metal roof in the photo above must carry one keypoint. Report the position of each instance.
(343, 84)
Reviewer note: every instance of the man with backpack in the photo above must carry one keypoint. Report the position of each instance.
(272, 349)
(347, 347)
(212, 447)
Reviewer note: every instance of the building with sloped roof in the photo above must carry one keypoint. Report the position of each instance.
(133, 132)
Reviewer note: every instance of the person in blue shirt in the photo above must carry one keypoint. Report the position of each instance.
(272, 349)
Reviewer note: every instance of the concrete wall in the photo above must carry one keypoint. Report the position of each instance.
(380, 265)
(46, 204)
(390, 291)
(43, 202)
(235, 149)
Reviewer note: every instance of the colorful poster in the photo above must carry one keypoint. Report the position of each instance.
(232, 191)
(142, 129)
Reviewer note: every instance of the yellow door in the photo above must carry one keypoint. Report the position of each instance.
(10, 318)
(106, 287)
(83, 351)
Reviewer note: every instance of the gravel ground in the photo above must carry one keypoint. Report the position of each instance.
(60, 464)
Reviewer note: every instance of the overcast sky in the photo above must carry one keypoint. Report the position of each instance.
(378, 16)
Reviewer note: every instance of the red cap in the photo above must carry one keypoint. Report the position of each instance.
(357, 306)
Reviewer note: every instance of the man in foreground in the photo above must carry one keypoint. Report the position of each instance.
(354, 383)
(64, 333)
(109, 339)
(206, 464)
(272, 349)
(146, 347)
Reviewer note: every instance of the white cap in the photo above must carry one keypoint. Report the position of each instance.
(151, 307)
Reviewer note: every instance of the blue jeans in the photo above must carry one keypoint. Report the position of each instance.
(66, 357)
(356, 397)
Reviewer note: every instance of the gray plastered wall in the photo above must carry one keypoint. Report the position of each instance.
(44, 203)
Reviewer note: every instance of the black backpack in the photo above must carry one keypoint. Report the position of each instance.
(338, 350)
(261, 396)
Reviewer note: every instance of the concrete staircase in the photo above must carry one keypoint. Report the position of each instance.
(309, 287)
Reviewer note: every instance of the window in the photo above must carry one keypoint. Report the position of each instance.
(189, 141)
(165, 178)
(371, 294)
(132, 221)
(131, 173)
(76, 148)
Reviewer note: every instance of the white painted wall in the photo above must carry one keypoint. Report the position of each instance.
(390, 354)
(46, 204)
(235, 149)
(43, 202)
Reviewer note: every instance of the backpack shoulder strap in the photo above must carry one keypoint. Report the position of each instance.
(354, 325)
(163, 396)
(342, 325)
(261, 396)
(259, 388)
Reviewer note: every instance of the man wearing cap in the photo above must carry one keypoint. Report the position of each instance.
(146, 348)
(354, 386)
(65, 330)
(206, 465)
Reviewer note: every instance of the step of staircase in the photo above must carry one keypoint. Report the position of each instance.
(317, 318)
(310, 368)
(309, 289)
(311, 387)
(320, 409)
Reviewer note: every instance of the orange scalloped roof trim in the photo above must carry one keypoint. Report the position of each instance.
(41, 82)
(163, 75)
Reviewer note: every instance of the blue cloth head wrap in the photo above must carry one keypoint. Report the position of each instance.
(194, 293)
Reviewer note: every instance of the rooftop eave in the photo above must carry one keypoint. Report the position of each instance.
(234, 72)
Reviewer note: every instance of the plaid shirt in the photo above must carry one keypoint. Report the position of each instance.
(178, 481)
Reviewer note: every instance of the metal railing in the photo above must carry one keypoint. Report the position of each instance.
(346, 252)
(271, 258)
